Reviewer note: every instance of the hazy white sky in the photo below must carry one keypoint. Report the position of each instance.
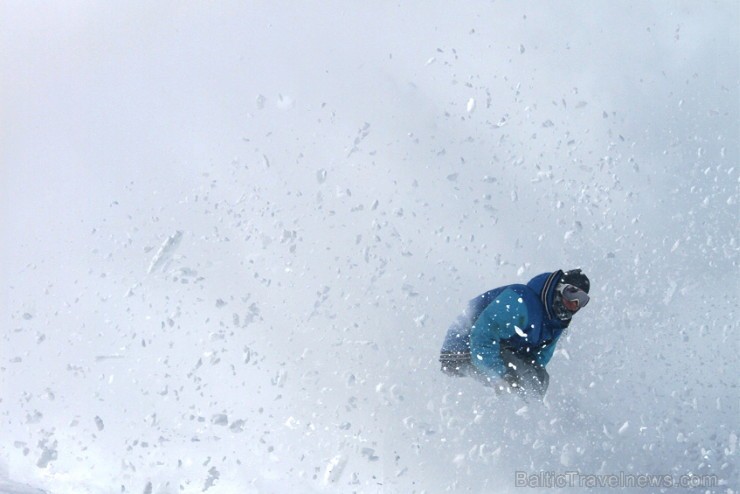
(95, 96)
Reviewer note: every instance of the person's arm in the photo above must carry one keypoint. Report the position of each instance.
(496, 323)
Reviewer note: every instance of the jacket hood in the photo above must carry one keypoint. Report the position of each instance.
(544, 286)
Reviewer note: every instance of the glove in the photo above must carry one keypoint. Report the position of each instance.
(512, 380)
(507, 384)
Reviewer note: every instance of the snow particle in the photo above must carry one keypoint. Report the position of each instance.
(237, 426)
(334, 469)
(165, 252)
(48, 455)
(220, 419)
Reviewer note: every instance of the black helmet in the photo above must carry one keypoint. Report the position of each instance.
(576, 278)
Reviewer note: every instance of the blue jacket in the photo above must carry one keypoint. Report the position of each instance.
(517, 318)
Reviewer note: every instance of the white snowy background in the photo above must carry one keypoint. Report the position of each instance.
(234, 235)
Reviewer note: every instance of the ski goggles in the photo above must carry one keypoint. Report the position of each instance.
(574, 298)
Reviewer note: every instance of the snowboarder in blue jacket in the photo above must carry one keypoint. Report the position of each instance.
(506, 336)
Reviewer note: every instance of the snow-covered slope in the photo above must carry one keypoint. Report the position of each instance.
(233, 238)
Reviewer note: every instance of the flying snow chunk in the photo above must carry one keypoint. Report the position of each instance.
(623, 429)
(334, 469)
(292, 423)
(165, 252)
(519, 331)
(48, 455)
(130, 291)
(369, 453)
(471, 105)
(220, 419)
(261, 102)
(213, 476)
(237, 426)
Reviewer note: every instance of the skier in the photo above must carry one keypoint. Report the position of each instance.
(506, 336)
